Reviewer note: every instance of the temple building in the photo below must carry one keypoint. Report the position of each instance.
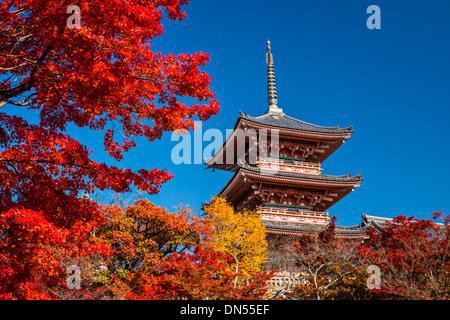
(277, 164)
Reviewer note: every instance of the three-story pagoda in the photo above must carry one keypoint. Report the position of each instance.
(276, 160)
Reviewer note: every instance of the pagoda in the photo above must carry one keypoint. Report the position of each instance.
(276, 160)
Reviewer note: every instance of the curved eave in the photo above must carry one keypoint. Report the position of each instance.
(282, 121)
(296, 179)
(345, 180)
(214, 162)
(285, 228)
(240, 184)
(336, 137)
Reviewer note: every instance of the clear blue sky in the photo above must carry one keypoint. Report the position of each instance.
(391, 84)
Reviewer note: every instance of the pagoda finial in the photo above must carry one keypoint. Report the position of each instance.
(271, 86)
(269, 55)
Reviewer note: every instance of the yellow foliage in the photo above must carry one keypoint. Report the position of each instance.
(239, 234)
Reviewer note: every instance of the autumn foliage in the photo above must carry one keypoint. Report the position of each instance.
(411, 254)
(103, 76)
(157, 254)
(239, 235)
(324, 262)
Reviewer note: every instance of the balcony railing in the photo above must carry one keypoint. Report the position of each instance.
(285, 165)
(284, 283)
(292, 212)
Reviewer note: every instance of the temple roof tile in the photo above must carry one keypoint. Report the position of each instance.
(280, 120)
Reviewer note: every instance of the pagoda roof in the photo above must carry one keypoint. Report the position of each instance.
(291, 128)
(237, 187)
(293, 226)
(281, 120)
(321, 177)
(289, 227)
(366, 220)
(357, 231)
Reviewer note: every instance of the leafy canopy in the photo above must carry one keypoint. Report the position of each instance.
(103, 77)
(238, 234)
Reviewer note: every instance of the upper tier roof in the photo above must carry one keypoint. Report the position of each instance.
(280, 120)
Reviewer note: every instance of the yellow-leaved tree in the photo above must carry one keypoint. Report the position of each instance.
(239, 234)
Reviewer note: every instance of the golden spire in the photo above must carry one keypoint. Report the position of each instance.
(269, 56)
(271, 87)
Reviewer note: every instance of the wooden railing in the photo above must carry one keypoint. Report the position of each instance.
(284, 283)
(284, 165)
(292, 211)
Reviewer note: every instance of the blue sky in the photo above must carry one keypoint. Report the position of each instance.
(391, 84)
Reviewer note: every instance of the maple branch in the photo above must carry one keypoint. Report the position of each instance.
(26, 86)
(20, 11)
(22, 103)
(13, 68)
(38, 182)
(10, 5)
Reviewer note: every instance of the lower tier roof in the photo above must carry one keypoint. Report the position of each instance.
(293, 228)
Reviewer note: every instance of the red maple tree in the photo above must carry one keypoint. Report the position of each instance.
(413, 256)
(103, 76)
(324, 262)
(156, 254)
